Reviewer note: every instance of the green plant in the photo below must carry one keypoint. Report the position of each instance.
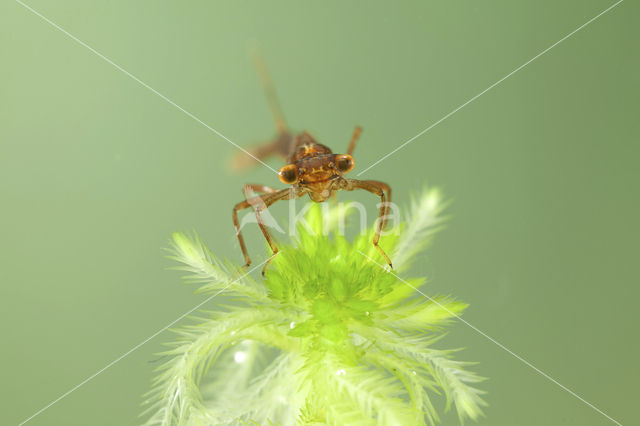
(328, 337)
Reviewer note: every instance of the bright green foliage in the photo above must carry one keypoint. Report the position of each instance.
(329, 337)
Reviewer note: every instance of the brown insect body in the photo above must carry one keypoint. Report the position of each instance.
(317, 172)
(312, 168)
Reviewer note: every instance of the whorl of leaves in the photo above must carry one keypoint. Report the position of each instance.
(329, 337)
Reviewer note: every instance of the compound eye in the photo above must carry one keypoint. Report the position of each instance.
(288, 174)
(345, 163)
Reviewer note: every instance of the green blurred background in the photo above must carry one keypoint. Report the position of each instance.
(96, 171)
